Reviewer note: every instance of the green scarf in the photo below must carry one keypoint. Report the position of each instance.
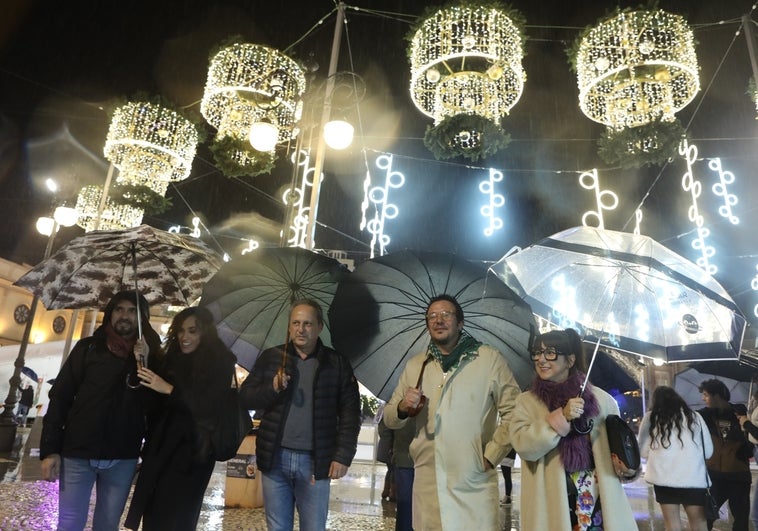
(466, 345)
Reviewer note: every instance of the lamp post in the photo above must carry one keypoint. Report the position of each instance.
(66, 217)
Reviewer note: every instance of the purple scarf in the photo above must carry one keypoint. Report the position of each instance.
(575, 448)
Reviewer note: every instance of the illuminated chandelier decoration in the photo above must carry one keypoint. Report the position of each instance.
(466, 74)
(635, 70)
(151, 143)
(113, 216)
(251, 87)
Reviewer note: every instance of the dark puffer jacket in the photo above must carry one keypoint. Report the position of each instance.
(336, 404)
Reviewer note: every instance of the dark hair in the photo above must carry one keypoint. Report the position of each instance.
(208, 333)
(716, 388)
(666, 415)
(313, 304)
(566, 342)
(451, 300)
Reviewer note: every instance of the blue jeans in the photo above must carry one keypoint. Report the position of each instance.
(113, 480)
(290, 484)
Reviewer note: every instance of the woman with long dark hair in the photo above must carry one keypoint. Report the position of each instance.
(569, 481)
(676, 442)
(191, 381)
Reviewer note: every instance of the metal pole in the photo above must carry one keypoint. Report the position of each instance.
(104, 196)
(747, 25)
(321, 144)
(7, 421)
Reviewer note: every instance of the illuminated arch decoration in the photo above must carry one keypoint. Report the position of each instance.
(384, 210)
(495, 201)
(151, 143)
(298, 199)
(694, 187)
(589, 180)
(637, 69)
(721, 189)
(637, 221)
(247, 84)
(754, 286)
(466, 60)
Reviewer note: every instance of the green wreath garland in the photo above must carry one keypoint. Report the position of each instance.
(236, 158)
(139, 196)
(465, 135)
(633, 147)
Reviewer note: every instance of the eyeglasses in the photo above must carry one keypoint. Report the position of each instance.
(549, 353)
(444, 315)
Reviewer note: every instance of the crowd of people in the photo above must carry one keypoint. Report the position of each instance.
(124, 406)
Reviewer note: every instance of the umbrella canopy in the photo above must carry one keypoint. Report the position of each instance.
(250, 297)
(686, 383)
(735, 369)
(90, 269)
(30, 373)
(378, 314)
(628, 291)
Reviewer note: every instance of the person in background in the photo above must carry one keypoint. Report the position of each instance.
(752, 430)
(569, 481)
(312, 417)
(24, 404)
(384, 455)
(506, 467)
(94, 425)
(461, 432)
(675, 441)
(190, 381)
(729, 466)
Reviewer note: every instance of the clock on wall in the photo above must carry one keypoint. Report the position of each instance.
(21, 314)
(59, 324)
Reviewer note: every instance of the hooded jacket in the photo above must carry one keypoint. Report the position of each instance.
(93, 414)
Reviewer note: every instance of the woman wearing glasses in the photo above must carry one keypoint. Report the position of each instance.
(563, 445)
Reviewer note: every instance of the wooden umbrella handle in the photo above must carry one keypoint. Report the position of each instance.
(412, 412)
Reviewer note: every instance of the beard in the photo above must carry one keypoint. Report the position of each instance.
(125, 328)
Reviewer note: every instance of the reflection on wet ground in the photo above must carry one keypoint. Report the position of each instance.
(31, 504)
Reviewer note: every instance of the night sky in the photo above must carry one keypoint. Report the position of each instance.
(63, 63)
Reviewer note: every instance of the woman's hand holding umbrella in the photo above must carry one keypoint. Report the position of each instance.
(152, 381)
(574, 408)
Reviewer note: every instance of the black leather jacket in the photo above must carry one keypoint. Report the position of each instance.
(336, 408)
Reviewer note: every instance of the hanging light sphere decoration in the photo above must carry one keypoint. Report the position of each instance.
(637, 67)
(248, 84)
(467, 59)
(151, 142)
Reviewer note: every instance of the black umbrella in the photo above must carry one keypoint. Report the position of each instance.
(29, 372)
(740, 370)
(377, 315)
(250, 296)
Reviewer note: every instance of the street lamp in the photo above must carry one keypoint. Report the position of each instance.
(62, 217)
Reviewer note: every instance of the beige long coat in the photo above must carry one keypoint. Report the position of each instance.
(544, 497)
(465, 421)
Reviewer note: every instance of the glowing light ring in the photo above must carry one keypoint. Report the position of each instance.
(365, 203)
(495, 201)
(466, 59)
(754, 286)
(589, 180)
(720, 189)
(692, 185)
(379, 196)
(637, 67)
(250, 83)
(252, 245)
(150, 142)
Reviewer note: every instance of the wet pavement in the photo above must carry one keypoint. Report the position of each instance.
(28, 503)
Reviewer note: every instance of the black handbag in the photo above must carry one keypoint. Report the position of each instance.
(711, 507)
(623, 442)
(234, 423)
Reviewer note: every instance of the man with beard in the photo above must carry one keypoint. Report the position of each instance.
(458, 394)
(93, 429)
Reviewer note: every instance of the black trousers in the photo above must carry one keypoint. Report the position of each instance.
(737, 493)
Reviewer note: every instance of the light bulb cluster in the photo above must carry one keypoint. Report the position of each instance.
(249, 84)
(467, 59)
(637, 67)
(151, 143)
(113, 216)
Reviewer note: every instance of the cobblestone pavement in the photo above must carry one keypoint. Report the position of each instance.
(27, 503)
